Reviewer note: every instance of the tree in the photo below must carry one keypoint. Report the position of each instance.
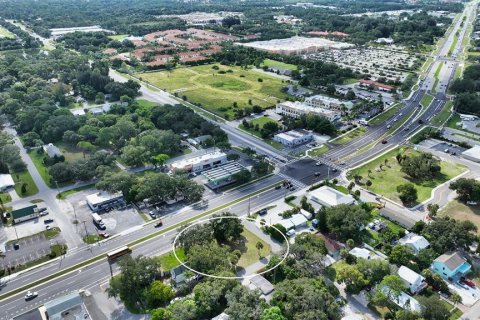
(159, 294)
(120, 181)
(198, 235)
(160, 159)
(407, 193)
(421, 167)
(350, 95)
(243, 303)
(432, 210)
(388, 291)
(351, 277)
(434, 310)
(161, 314)
(227, 228)
(373, 270)
(368, 183)
(61, 172)
(456, 298)
(259, 246)
(447, 234)
(345, 221)
(272, 313)
(210, 297)
(401, 255)
(86, 146)
(212, 258)
(467, 189)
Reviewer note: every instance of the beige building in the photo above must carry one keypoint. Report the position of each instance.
(329, 103)
(297, 109)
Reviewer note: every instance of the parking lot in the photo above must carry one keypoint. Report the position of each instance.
(441, 146)
(307, 172)
(31, 248)
(379, 63)
(116, 221)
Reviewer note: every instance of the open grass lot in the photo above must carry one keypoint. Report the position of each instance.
(70, 153)
(385, 115)
(217, 92)
(146, 103)
(426, 100)
(168, 260)
(42, 170)
(118, 36)
(318, 151)
(24, 177)
(278, 64)
(461, 211)
(5, 33)
(249, 252)
(355, 133)
(446, 111)
(385, 181)
(261, 122)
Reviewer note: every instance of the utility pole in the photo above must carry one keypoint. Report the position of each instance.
(249, 207)
(84, 224)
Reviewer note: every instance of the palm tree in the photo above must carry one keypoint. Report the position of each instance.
(456, 299)
(369, 172)
(368, 183)
(259, 246)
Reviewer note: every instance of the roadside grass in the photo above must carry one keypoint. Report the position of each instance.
(317, 151)
(426, 100)
(146, 103)
(437, 73)
(64, 194)
(131, 244)
(443, 115)
(168, 260)
(382, 117)
(217, 90)
(92, 238)
(426, 65)
(453, 45)
(37, 160)
(24, 177)
(458, 72)
(5, 197)
(460, 211)
(250, 254)
(349, 136)
(386, 180)
(278, 64)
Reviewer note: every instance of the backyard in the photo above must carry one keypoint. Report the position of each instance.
(220, 89)
(250, 254)
(460, 211)
(385, 180)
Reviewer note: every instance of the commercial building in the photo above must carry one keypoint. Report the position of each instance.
(103, 200)
(329, 197)
(223, 175)
(70, 306)
(24, 213)
(51, 150)
(451, 266)
(472, 154)
(414, 282)
(320, 101)
(296, 45)
(6, 182)
(297, 109)
(296, 221)
(200, 163)
(204, 18)
(376, 85)
(293, 138)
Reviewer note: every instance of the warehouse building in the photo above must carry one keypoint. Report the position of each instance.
(297, 109)
(200, 163)
(293, 138)
(330, 197)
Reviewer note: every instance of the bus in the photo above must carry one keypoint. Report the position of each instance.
(98, 221)
(112, 255)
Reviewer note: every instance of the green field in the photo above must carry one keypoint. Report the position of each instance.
(385, 181)
(260, 121)
(118, 36)
(355, 133)
(446, 111)
(278, 64)
(453, 45)
(24, 177)
(42, 170)
(5, 33)
(218, 90)
(385, 115)
(460, 211)
(168, 260)
(249, 251)
(437, 73)
(426, 100)
(146, 103)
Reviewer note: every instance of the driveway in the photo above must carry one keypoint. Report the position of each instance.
(469, 295)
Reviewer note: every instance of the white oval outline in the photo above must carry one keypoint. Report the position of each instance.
(224, 277)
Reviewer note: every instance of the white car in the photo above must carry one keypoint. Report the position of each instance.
(290, 233)
(31, 295)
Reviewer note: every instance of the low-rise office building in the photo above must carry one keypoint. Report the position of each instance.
(329, 197)
(293, 138)
(24, 213)
(320, 101)
(200, 163)
(297, 109)
(103, 200)
(472, 154)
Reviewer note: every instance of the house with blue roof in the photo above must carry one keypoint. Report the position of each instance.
(451, 266)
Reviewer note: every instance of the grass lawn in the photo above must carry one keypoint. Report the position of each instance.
(452, 122)
(355, 133)
(278, 64)
(118, 36)
(437, 73)
(385, 115)
(261, 122)
(24, 177)
(318, 151)
(42, 170)
(350, 81)
(217, 90)
(463, 212)
(65, 194)
(443, 115)
(426, 64)
(385, 181)
(5, 197)
(146, 103)
(426, 100)
(7, 34)
(249, 252)
(458, 72)
(453, 45)
(168, 260)
(70, 153)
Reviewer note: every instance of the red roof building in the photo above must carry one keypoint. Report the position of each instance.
(377, 85)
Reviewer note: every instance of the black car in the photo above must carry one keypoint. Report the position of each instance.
(420, 121)
(50, 220)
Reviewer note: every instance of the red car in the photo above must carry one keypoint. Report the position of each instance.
(468, 282)
(158, 224)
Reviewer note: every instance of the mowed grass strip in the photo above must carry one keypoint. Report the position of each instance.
(217, 90)
(278, 64)
(385, 181)
(355, 133)
(382, 117)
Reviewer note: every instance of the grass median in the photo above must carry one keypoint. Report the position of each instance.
(131, 244)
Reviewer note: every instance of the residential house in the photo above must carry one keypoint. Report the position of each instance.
(51, 150)
(451, 266)
(364, 253)
(414, 241)
(412, 280)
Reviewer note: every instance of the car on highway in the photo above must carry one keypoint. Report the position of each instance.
(318, 163)
(420, 121)
(31, 295)
(278, 187)
(317, 174)
(334, 170)
(158, 224)
(104, 235)
(384, 141)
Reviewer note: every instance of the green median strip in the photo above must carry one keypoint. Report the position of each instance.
(136, 242)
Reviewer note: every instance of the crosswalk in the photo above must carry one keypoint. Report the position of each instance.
(329, 163)
(298, 184)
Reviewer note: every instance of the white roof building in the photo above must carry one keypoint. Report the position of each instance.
(306, 214)
(298, 220)
(287, 224)
(6, 182)
(329, 197)
(404, 301)
(414, 241)
(293, 138)
(321, 101)
(472, 154)
(103, 199)
(200, 163)
(412, 280)
(297, 109)
(51, 150)
(364, 254)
